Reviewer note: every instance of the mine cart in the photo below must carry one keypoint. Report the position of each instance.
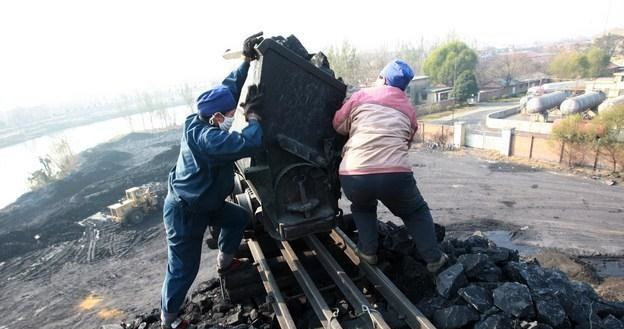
(294, 179)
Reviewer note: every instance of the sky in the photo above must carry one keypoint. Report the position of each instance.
(63, 50)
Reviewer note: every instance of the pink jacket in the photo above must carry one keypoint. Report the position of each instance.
(380, 123)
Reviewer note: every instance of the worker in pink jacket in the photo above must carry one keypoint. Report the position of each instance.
(381, 123)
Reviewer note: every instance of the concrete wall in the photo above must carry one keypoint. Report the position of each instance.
(482, 140)
(496, 120)
(513, 143)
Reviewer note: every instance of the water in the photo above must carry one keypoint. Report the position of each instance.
(606, 266)
(18, 161)
(504, 239)
(603, 265)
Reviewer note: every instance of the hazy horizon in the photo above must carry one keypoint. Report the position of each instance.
(55, 52)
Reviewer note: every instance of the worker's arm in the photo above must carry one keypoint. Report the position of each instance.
(224, 146)
(342, 117)
(236, 80)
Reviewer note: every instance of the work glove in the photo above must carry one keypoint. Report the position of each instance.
(253, 102)
(249, 50)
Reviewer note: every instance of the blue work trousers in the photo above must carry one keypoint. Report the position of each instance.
(399, 193)
(185, 231)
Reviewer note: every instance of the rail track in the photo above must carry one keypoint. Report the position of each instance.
(325, 271)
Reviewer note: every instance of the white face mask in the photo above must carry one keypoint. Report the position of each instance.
(227, 123)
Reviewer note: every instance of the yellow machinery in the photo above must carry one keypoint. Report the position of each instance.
(138, 202)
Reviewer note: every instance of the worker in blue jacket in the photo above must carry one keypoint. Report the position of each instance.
(201, 180)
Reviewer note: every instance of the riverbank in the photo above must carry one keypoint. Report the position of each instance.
(12, 136)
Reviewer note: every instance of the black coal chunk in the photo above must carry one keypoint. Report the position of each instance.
(498, 255)
(549, 310)
(476, 241)
(292, 43)
(455, 316)
(477, 297)
(428, 306)
(320, 60)
(532, 275)
(514, 299)
(472, 262)
(584, 289)
(396, 238)
(580, 311)
(495, 321)
(611, 322)
(450, 280)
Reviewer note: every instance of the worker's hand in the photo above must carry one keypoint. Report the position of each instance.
(249, 50)
(253, 103)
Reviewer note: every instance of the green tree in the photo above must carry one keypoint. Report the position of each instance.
(591, 63)
(574, 133)
(345, 62)
(465, 86)
(598, 61)
(185, 92)
(506, 67)
(54, 166)
(611, 141)
(411, 55)
(447, 62)
(568, 65)
(611, 44)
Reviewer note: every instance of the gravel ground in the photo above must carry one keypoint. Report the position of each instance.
(549, 209)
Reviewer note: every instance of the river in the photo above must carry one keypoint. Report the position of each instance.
(18, 161)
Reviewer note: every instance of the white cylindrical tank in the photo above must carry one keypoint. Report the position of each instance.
(548, 101)
(563, 86)
(546, 88)
(583, 102)
(610, 104)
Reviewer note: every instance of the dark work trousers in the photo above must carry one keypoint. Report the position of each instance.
(185, 231)
(399, 193)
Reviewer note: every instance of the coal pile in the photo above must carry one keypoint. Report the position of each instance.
(206, 308)
(483, 286)
(486, 286)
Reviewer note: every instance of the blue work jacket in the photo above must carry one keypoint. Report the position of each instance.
(204, 173)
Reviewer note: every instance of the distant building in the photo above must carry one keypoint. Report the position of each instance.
(502, 88)
(418, 89)
(421, 92)
(610, 86)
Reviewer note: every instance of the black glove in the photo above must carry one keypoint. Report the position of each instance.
(249, 45)
(253, 102)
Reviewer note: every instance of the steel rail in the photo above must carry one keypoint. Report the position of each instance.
(413, 316)
(270, 286)
(353, 295)
(322, 310)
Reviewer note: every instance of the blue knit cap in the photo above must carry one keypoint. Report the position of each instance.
(217, 99)
(397, 74)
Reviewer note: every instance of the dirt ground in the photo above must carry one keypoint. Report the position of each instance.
(548, 208)
(82, 276)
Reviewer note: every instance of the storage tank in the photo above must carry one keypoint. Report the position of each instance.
(548, 101)
(583, 102)
(556, 86)
(610, 104)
